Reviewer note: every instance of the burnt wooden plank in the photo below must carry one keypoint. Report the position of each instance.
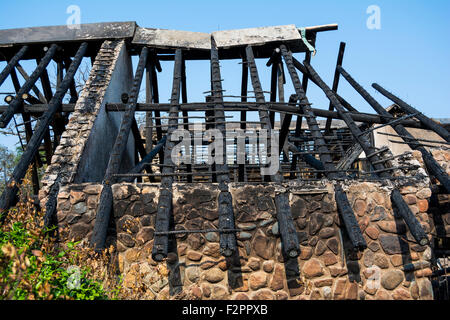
(145, 162)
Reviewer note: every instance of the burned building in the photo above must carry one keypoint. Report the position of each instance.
(285, 207)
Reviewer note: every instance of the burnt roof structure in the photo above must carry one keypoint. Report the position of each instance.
(316, 152)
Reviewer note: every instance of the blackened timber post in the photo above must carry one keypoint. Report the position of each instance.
(289, 238)
(29, 133)
(286, 124)
(335, 82)
(184, 99)
(431, 163)
(152, 67)
(16, 104)
(344, 208)
(8, 196)
(413, 224)
(163, 214)
(427, 122)
(103, 214)
(244, 90)
(226, 213)
(145, 161)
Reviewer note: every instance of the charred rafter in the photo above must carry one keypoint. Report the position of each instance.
(427, 122)
(348, 217)
(432, 165)
(372, 155)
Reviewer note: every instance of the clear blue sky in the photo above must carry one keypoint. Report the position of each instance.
(409, 55)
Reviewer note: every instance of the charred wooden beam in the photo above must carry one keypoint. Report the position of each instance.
(16, 104)
(161, 242)
(305, 71)
(273, 81)
(138, 139)
(288, 232)
(12, 63)
(244, 90)
(102, 217)
(335, 82)
(35, 89)
(41, 128)
(226, 213)
(404, 211)
(286, 123)
(72, 87)
(427, 122)
(152, 67)
(431, 163)
(345, 210)
(145, 162)
(185, 112)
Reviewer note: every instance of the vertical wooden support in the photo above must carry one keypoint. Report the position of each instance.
(335, 83)
(288, 232)
(226, 213)
(244, 89)
(184, 99)
(161, 242)
(344, 208)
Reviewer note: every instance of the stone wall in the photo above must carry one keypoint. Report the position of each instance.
(392, 267)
